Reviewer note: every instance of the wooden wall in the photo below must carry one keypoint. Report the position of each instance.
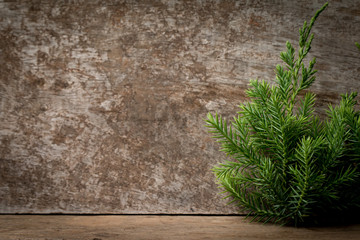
(102, 102)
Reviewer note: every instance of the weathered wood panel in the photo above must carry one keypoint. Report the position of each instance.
(161, 227)
(102, 102)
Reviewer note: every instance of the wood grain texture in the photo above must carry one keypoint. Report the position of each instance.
(160, 227)
(102, 102)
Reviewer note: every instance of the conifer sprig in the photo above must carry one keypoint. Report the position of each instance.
(288, 166)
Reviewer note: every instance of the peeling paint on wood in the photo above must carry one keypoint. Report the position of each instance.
(102, 102)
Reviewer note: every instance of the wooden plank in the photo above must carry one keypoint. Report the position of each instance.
(158, 227)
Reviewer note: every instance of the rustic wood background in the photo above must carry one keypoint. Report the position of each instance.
(102, 102)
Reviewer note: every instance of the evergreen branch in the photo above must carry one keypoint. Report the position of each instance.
(306, 108)
(246, 199)
(225, 136)
(283, 79)
(290, 165)
(337, 133)
(305, 175)
(305, 46)
(228, 169)
(259, 92)
(305, 30)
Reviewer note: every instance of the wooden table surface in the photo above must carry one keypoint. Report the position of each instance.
(62, 227)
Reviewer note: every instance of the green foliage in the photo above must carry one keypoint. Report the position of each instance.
(289, 166)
